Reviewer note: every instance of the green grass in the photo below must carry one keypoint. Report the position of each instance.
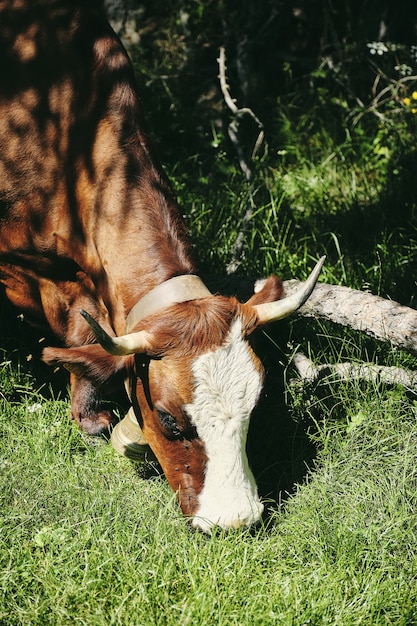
(85, 540)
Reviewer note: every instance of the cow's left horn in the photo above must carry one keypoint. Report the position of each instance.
(118, 346)
(273, 311)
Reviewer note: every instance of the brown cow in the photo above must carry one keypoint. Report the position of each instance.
(89, 222)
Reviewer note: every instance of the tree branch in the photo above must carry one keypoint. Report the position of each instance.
(231, 103)
(310, 373)
(385, 320)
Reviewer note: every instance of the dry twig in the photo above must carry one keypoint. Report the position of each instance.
(233, 132)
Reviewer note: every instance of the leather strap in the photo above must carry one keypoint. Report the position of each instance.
(172, 291)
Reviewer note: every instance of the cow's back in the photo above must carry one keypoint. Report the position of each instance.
(44, 56)
(73, 153)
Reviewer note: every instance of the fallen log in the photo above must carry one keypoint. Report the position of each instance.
(380, 318)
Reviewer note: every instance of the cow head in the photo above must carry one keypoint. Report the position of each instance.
(194, 380)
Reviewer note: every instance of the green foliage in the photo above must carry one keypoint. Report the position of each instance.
(337, 106)
(85, 540)
(14, 381)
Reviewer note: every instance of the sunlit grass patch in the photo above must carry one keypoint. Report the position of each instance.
(85, 539)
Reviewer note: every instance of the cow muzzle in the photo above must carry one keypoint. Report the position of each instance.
(247, 514)
(231, 503)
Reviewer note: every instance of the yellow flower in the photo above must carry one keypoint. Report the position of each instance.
(407, 101)
(413, 110)
(414, 95)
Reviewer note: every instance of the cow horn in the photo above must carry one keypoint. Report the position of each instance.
(273, 311)
(118, 346)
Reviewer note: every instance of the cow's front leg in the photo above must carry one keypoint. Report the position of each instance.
(88, 409)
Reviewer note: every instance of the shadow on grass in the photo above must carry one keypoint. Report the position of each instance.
(279, 449)
(21, 348)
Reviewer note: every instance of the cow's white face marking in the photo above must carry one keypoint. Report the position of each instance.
(227, 387)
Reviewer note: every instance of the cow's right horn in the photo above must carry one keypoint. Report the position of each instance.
(273, 311)
(118, 346)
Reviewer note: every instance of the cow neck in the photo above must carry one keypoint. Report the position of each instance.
(172, 291)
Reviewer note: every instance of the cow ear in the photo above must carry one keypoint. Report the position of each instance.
(90, 361)
(266, 290)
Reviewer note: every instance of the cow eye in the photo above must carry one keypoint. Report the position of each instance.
(169, 422)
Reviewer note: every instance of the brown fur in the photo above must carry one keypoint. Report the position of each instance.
(87, 217)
